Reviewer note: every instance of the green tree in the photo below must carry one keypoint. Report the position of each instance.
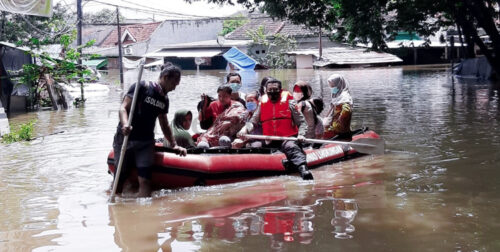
(62, 69)
(18, 28)
(275, 48)
(378, 21)
(230, 25)
(36, 32)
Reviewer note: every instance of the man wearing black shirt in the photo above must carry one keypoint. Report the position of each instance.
(152, 103)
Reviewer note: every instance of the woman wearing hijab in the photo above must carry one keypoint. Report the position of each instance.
(302, 92)
(180, 126)
(338, 120)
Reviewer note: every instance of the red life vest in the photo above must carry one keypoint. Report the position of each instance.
(276, 117)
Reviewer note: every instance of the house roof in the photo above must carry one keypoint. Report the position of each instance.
(355, 56)
(208, 44)
(348, 56)
(96, 32)
(8, 44)
(140, 33)
(186, 53)
(271, 27)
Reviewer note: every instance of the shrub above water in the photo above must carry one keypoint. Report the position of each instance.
(24, 132)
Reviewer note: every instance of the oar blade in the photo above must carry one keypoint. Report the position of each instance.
(373, 146)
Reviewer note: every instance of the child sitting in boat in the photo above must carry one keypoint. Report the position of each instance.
(230, 118)
(338, 120)
(180, 126)
(252, 100)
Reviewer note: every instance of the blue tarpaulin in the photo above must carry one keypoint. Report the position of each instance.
(239, 59)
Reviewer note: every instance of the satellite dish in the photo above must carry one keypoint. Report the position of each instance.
(198, 61)
(221, 40)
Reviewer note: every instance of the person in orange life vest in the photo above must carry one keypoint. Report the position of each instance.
(278, 117)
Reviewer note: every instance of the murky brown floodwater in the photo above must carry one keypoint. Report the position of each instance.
(435, 189)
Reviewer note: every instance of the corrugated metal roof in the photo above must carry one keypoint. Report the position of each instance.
(354, 56)
(348, 56)
(95, 63)
(416, 43)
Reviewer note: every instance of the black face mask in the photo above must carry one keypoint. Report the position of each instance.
(274, 96)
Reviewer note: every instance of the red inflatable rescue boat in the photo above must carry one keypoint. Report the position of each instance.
(220, 166)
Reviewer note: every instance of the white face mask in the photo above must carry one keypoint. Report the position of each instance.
(298, 96)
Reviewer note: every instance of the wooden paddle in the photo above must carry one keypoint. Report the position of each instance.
(361, 145)
(125, 139)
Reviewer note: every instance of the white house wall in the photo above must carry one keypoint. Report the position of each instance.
(304, 61)
(183, 31)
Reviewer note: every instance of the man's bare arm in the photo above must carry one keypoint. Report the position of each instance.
(123, 114)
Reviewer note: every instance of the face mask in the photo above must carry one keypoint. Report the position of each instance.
(235, 87)
(335, 90)
(251, 106)
(274, 96)
(298, 96)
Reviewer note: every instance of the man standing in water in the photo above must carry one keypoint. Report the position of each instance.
(278, 117)
(152, 103)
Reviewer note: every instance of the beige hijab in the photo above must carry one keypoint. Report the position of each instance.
(343, 94)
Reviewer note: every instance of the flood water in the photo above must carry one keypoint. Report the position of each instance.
(435, 189)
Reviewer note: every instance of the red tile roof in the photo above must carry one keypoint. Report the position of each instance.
(140, 32)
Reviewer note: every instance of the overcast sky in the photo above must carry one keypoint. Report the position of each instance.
(199, 8)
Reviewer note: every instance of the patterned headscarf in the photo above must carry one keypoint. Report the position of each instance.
(344, 94)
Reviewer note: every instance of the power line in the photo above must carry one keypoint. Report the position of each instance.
(148, 11)
(173, 13)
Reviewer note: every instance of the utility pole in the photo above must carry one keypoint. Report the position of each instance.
(320, 44)
(3, 26)
(120, 55)
(452, 50)
(79, 42)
